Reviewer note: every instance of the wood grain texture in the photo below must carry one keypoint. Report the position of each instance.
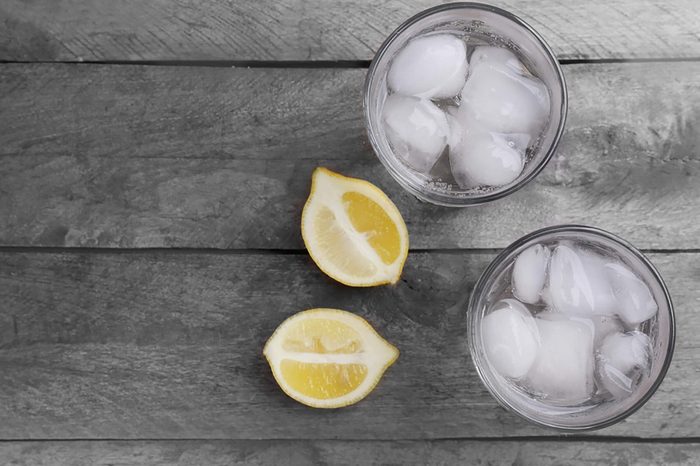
(75, 30)
(293, 453)
(168, 345)
(132, 156)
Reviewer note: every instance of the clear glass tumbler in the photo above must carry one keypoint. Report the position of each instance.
(590, 415)
(488, 25)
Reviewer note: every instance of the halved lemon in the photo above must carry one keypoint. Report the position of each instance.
(328, 358)
(353, 231)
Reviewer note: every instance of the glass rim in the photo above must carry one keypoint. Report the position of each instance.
(445, 199)
(594, 231)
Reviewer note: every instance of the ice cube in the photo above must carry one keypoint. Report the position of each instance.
(479, 157)
(497, 56)
(431, 67)
(563, 369)
(455, 127)
(601, 326)
(529, 273)
(622, 359)
(510, 338)
(578, 283)
(547, 296)
(635, 301)
(417, 130)
(594, 323)
(503, 99)
(604, 326)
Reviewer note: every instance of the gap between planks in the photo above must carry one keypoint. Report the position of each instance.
(573, 438)
(310, 64)
(262, 251)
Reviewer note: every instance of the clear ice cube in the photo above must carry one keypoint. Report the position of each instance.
(530, 273)
(622, 359)
(482, 158)
(635, 301)
(497, 55)
(455, 127)
(510, 338)
(501, 97)
(600, 325)
(417, 130)
(563, 369)
(578, 283)
(434, 67)
(547, 295)
(604, 326)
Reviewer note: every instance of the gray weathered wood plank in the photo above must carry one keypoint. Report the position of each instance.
(168, 345)
(70, 30)
(292, 453)
(132, 156)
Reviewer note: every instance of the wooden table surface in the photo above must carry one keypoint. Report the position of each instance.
(154, 159)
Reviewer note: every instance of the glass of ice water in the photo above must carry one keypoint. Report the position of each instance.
(464, 103)
(571, 327)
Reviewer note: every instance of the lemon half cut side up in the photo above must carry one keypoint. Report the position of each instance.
(328, 358)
